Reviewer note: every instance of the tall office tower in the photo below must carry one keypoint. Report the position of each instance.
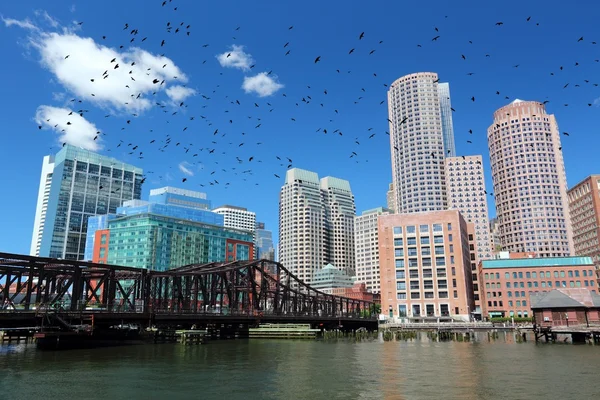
(339, 223)
(83, 184)
(446, 113)
(264, 243)
(465, 188)
(301, 224)
(367, 248)
(311, 213)
(390, 196)
(238, 218)
(417, 143)
(584, 208)
(529, 179)
(42, 205)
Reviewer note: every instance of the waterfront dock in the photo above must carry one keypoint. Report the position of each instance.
(577, 333)
(284, 331)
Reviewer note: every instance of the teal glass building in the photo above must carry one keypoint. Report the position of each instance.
(83, 184)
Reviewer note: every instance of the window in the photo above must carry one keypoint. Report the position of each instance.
(400, 263)
(556, 274)
(103, 238)
(510, 303)
(412, 251)
(439, 250)
(441, 272)
(570, 274)
(514, 275)
(527, 274)
(426, 261)
(397, 230)
(411, 229)
(401, 296)
(456, 294)
(411, 241)
(440, 261)
(437, 227)
(576, 274)
(520, 275)
(425, 251)
(442, 284)
(450, 228)
(535, 284)
(453, 283)
(449, 237)
(415, 295)
(443, 295)
(562, 274)
(454, 272)
(400, 285)
(522, 293)
(438, 239)
(534, 275)
(423, 228)
(518, 303)
(509, 293)
(424, 239)
(543, 284)
(413, 263)
(507, 276)
(508, 284)
(400, 274)
(400, 252)
(428, 284)
(427, 273)
(451, 247)
(547, 274)
(414, 273)
(398, 242)
(102, 252)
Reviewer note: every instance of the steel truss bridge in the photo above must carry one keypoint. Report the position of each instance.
(245, 292)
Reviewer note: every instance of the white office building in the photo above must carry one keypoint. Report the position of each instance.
(367, 248)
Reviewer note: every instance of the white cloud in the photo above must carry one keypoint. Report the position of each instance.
(179, 93)
(50, 20)
(185, 168)
(25, 24)
(262, 84)
(72, 129)
(127, 88)
(235, 58)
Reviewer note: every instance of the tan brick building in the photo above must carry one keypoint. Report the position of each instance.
(425, 265)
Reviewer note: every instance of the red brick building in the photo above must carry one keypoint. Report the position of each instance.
(562, 307)
(507, 283)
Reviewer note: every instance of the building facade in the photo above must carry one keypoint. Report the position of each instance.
(311, 213)
(42, 205)
(264, 243)
(425, 266)
(465, 188)
(390, 198)
(169, 195)
(561, 307)
(340, 210)
(83, 184)
(446, 115)
(495, 234)
(529, 180)
(417, 143)
(508, 283)
(237, 217)
(329, 277)
(584, 208)
(366, 243)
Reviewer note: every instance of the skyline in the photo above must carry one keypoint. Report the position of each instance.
(263, 39)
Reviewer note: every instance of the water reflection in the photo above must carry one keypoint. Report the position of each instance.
(262, 369)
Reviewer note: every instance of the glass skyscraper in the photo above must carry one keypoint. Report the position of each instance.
(83, 184)
(264, 242)
(446, 113)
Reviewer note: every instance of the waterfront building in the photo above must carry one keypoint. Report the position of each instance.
(237, 217)
(358, 291)
(167, 233)
(508, 283)
(465, 187)
(564, 307)
(82, 184)
(584, 208)
(329, 277)
(265, 249)
(315, 223)
(42, 205)
(530, 183)
(417, 142)
(425, 266)
(366, 243)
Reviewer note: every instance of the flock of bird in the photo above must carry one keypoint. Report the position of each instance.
(218, 122)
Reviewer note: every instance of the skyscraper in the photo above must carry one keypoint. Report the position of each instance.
(465, 187)
(237, 217)
(417, 143)
(83, 184)
(312, 213)
(446, 114)
(390, 198)
(529, 179)
(339, 223)
(367, 248)
(42, 205)
(264, 243)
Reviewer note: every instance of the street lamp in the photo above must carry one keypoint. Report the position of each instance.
(567, 317)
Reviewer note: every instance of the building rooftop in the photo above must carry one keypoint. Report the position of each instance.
(302, 175)
(231, 207)
(174, 190)
(564, 298)
(537, 262)
(375, 210)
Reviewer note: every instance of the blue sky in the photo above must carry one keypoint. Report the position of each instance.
(39, 82)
